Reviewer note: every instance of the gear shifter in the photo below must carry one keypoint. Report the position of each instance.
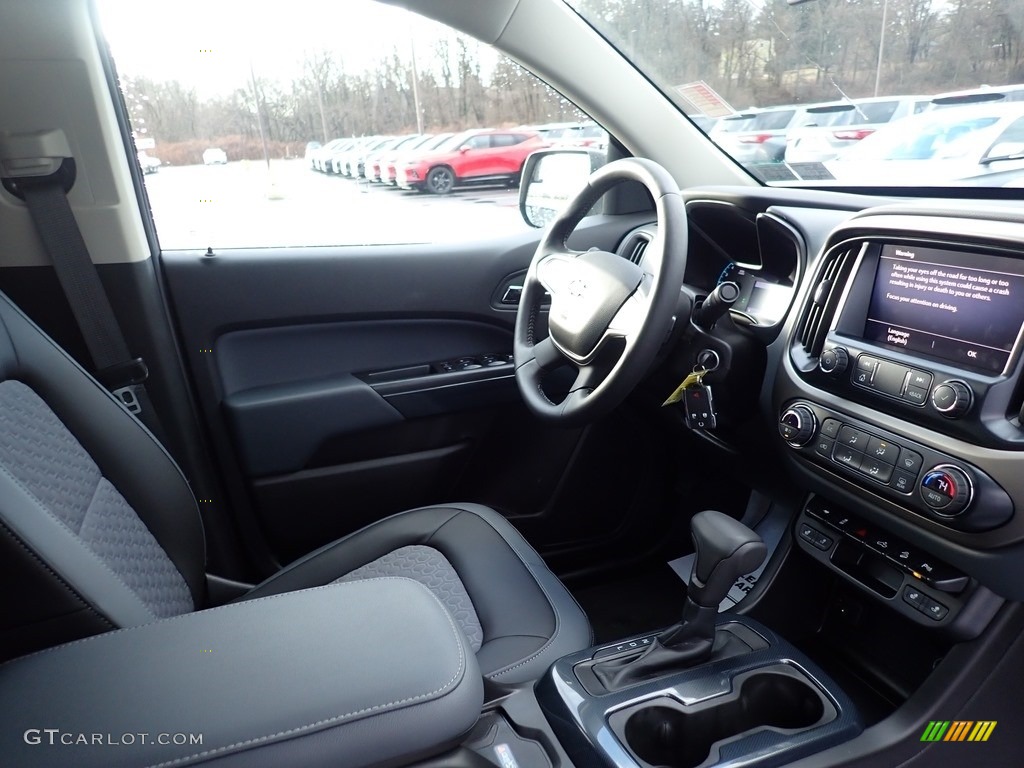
(726, 549)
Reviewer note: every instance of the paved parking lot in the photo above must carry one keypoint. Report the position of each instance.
(242, 205)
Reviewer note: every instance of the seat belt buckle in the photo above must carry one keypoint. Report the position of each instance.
(124, 380)
(129, 398)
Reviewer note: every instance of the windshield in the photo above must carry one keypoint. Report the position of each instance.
(773, 82)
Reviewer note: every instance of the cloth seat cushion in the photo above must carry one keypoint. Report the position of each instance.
(514, 611)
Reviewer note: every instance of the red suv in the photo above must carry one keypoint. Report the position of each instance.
(482, 157)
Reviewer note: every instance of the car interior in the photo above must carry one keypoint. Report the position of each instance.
(701, 472)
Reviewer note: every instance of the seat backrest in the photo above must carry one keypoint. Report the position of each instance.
(98, 527)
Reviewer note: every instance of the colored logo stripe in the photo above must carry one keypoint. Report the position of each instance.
(935, 731)
(958, 730)
(982, 730)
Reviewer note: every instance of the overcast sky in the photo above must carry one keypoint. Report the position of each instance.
(209, 43)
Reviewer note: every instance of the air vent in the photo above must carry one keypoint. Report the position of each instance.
(634, 250)
(824, 298)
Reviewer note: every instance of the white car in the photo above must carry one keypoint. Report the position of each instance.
(215, 156)
(836, 127)
(941, 145)
(148, 163)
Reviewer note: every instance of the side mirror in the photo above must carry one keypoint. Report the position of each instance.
(551, 178)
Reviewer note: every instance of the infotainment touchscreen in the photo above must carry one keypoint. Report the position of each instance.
(963, 307)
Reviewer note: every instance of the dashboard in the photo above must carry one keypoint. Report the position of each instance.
(895, 382)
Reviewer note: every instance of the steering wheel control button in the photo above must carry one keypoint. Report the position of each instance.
(882, 450)
(833, 361)
(831, 427)
(815, 538)
(952, 398)
(798, 426)
(947, 490)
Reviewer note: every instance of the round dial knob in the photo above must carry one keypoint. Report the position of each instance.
(947, 490)
(833, 361)
(797, 425)
(952, 398)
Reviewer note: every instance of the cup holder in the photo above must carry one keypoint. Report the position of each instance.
(671, 735)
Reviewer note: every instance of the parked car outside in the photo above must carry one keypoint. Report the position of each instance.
(836, 127)
(762, 138)
(587, 134)
(311, 147)
(318, 157)
(148, 163)
(349, 163)
(337, 162)
(485, 157)
(215, 156)
(938, 146)
(393, 157)
(986, 93)
(372, 161)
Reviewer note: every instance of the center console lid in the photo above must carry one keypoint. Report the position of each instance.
(347, 674)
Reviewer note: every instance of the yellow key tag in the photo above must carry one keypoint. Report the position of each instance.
(689, 381)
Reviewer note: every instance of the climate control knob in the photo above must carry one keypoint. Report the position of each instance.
(947, 490)
(952, 398)
(798, 426)
(833, 361)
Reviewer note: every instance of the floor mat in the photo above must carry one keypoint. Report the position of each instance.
(637, 601)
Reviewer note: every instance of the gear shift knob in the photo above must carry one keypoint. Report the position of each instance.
(726, 549)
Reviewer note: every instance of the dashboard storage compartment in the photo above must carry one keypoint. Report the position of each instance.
(774, 703)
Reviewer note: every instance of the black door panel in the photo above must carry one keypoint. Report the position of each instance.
(288, 390)
(342, 385)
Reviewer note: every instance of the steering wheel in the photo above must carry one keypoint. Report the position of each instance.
(608, 317)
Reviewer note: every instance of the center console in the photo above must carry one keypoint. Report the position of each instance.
(764, 706)
(898, 398)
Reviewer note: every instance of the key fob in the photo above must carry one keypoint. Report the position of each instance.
(700, 407)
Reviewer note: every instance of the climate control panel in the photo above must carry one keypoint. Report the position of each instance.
(929, 482)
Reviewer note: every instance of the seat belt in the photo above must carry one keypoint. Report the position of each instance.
(45, 196)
